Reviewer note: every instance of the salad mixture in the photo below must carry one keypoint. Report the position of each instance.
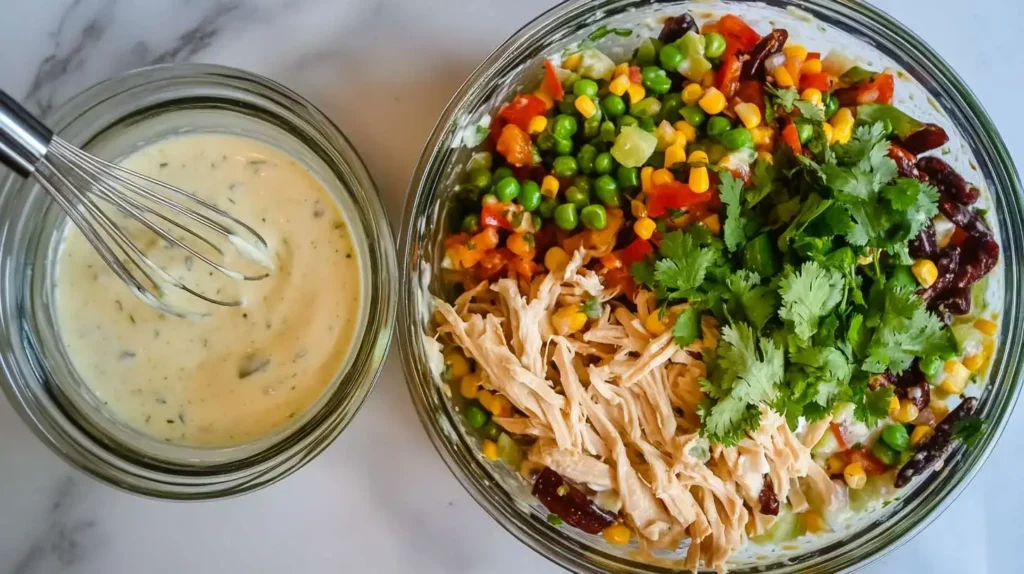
(715, 292)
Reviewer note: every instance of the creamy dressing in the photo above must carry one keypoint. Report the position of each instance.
(234, 374)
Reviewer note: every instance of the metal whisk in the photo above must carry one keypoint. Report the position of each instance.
(162, 217)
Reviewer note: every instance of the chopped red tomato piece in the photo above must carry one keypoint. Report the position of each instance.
(820, 81)
(792, 138)
(728, 78)
(551, 82)
(493, 262)
(635, 77)
(734, 28)
(523, 109)
(514, 143)
(635, 251)
(872, 466)
(813, 55)
(620, 279)
(877, 90)
(674, 195)
(491, 216)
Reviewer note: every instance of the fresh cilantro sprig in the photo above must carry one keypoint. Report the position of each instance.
(906, 331)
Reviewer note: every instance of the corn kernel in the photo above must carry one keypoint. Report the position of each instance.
(835, 464)
(974, 362)
(645, 178)
(765, 156)
(987, 327)
(617, 534)
(572, 61)
(829, 132)
(644, 228)
(619, 85)
(549, 186)
(661, 177)
(485, 398)
(713, 224)
(814, 522)
(708, 79)
(763, 136)
(500, 406)
(490, 450)
(713, 101)
(692, 94)
(783, 78)
(699, 181)
(537, 124)
(811, 67)
(636, 93)
(894, 407)
(457, 364)
(921, 433)
(556, 259)
(470, 386)
(956, 377)
(686, 130)
(842, 125)
(545, 97)
(699, 157)
(795, 52)
(811, 95)
(749, 114)
(908, 411)
(654, 324)
(621, 70)
(585, 106)
(855, 476)
(568, 320)
(675, 153)
(939, 410)
(637, 208)
(666, 135)
(925, 271)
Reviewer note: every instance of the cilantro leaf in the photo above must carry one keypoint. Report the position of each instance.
(757, 303)
(680, 271)
(784, 99)
(730, 190)
(906, 330)
(871, 406)
(744, 375)
(808, 296)
(969, 429)
(592, 308)
(643, 273)
(810, 111)
(764, 182)
(687, 327)
(816, 377)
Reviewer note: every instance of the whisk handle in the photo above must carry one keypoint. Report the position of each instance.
(23, 138)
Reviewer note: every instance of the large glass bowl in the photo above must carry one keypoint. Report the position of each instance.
(928, 86)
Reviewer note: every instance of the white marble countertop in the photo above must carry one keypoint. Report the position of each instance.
(383, 70)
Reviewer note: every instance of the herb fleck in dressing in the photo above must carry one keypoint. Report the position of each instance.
(238, 373)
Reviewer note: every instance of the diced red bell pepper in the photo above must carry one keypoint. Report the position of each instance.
(522, 109)
(493, 263)
(457, 239)
(728, 78)
(673, 195)
(552, 84)
(791, 136)
(733, 27)
(514, 143)
(491, 216)
(820, 81)
(635, 77)
(877, 90)
(813, 55)
(634, 252)
(752, 92)
(872, 466)
(620, 279)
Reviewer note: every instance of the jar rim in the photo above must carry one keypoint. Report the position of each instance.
(42, 402)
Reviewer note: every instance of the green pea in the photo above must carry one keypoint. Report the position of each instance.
(507, 189)
(490, 431)
(660, 85)
(882, 452)
(626, 121)
(592, 126)
(568, 105)
(547, 207)
(607, 133)
(583, 183)
(693, 115)
(545, 141)
(896, 436)
(714, 45)
(718, 125)
(670, 106)
(831, 105)
(476, 416)
(628, 177)
(607, 190)
(594, 217)
(613, 106)
(585, 87)
(563, 146)
(603, 163)
(565, 216)
(737, 138)
(471, 223)
(646, 108)
(670, 57)
(649, 73)
(564, 166)
(480, 160)
(501, 173)
(577, 197)
(585, 159)
(480, 178)
(564, 126)
(529, 195)
(930, 366)
(805, 131)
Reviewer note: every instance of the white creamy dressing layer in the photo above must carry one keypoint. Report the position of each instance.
(234, 374)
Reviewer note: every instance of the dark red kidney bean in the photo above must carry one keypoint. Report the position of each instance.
(572, 505)
(769, 501)
(914, 386)
(956, 301)
(947, 265)
(929, 137)
(906, 162)
(938, 446)
(926, 244)
(765, 48)
(978, 257)
(676, 27)
(951, 185)
(965, 218)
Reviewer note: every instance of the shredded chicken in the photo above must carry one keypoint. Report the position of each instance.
(614, 409)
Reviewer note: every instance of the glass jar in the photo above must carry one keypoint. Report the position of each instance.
(930, 89)
(111, 120)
